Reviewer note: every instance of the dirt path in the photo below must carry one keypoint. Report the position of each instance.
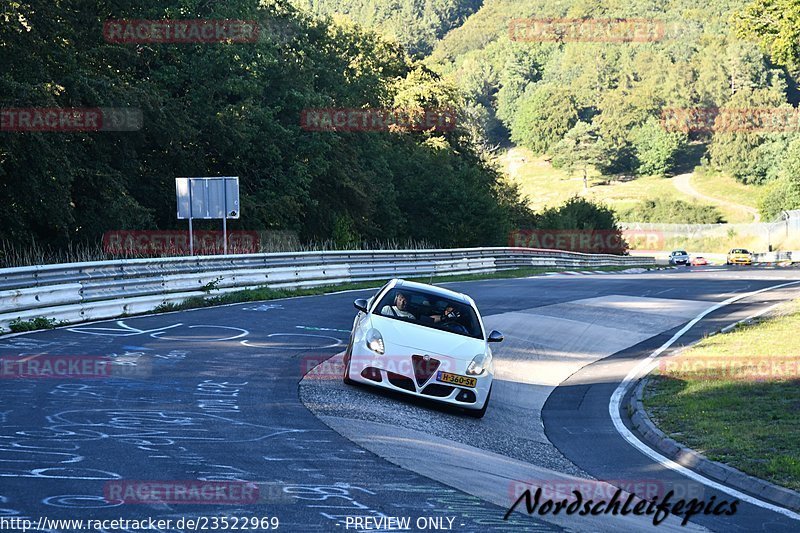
(683, 183)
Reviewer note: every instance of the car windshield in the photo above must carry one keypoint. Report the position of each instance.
(430, 310)
(679, 252)
(739, 251)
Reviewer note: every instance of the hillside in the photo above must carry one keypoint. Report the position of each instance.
(610, 96)
(416, 24)
(546, 187)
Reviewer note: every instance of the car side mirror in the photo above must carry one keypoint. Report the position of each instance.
(360, 304)
(495, 336)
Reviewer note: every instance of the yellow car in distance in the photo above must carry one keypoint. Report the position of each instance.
(739, 256)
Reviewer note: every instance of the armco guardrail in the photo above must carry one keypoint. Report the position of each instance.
(776, 257)
(77, 292)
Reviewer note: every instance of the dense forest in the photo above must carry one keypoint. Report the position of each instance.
(416, 24)
(603, 103)
(234, 108)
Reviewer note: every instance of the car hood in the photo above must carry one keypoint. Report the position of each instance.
(427, 340)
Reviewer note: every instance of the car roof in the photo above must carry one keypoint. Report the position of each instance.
(432, 289)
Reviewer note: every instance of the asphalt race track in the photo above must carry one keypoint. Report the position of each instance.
(215, 395)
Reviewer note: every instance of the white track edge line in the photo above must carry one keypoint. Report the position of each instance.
(622, 388)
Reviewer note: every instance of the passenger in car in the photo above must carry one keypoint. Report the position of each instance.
(449, 313)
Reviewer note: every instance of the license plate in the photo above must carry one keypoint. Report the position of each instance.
(455, 379)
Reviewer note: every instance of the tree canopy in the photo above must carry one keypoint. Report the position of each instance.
(232, 109)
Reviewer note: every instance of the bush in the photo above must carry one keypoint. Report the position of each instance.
(577, 213)
(40, 322)
(783, 193)
(672, 212)
(577, 225)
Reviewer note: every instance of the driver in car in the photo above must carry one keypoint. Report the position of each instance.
(399, 307)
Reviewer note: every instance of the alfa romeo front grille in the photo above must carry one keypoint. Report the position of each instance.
(424, 368)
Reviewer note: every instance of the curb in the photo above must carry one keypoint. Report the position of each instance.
(692, 460)
(632, 270)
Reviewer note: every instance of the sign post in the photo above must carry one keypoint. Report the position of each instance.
(191, 236)
(208, 198)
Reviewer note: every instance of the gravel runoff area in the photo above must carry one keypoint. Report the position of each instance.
(499, 432)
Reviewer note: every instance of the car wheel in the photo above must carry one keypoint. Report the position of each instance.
(347, 356)
(478, 413)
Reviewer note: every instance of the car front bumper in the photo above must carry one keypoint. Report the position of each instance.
(396, 372)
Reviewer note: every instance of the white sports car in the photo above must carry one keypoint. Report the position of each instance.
(425, 341)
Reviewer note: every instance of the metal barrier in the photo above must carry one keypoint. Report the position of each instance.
(769, 258)
(77, 292)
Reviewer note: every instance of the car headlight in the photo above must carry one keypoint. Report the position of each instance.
(479, 364)
(375, 341)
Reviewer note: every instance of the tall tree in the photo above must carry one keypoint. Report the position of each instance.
(580, 149)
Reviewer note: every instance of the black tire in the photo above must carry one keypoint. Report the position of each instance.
(347, 356)
(478, 413)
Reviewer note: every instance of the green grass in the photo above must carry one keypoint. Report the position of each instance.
(267, 293)
(751, 422)
(546, 186)
(726, 188)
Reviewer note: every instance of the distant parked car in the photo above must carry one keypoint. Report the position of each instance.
(679, 257)
(699, 261)
(739, 256)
